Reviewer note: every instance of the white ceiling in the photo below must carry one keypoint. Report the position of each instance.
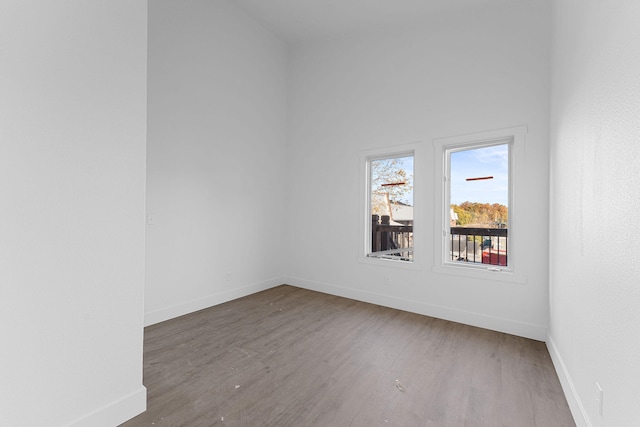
(296, 21)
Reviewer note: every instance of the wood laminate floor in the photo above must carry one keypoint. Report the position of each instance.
(293, 357)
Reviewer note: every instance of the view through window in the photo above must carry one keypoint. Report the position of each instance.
(391, 207)
(479, 204)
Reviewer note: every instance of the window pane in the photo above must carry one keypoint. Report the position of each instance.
(392, 208)
(479, 210)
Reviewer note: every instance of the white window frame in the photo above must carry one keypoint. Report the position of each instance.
(514, 272)
(365, 158)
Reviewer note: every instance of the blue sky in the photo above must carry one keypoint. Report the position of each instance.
(480, 162)
(473, 163)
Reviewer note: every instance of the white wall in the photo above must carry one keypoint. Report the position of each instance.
(216, 155)
(72, 183)
(595, 175)
(477, 70)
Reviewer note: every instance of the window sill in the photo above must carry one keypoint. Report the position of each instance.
(486, 272)
(383, 262)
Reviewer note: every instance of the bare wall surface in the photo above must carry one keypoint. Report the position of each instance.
(462, 73)
(595, 175)
(216, 153)
(72, 180)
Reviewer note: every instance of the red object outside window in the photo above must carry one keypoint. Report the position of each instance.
(494, 257)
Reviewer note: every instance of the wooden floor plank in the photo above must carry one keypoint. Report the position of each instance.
(293, 357)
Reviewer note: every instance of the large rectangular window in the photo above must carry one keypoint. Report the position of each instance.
(478, 218)
(390, 204)
(478, 190)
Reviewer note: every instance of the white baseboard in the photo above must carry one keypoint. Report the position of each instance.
(187, 307)
(513, 327)
(115, 413)
(575, 403)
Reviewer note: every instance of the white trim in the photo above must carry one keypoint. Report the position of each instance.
(386, 262)
(187, 307)
(580, 416)
(478, 271)
(500, 324)
(115, 413)
(514, 273)
(364, 235)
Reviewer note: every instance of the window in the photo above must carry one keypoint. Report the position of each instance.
(478, 190)
(478, 218)
(390, 207)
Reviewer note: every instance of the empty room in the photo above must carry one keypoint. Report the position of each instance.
(319, 212)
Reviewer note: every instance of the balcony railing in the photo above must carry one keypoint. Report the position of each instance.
(479, 245)
(474, 245)
(391, 241)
